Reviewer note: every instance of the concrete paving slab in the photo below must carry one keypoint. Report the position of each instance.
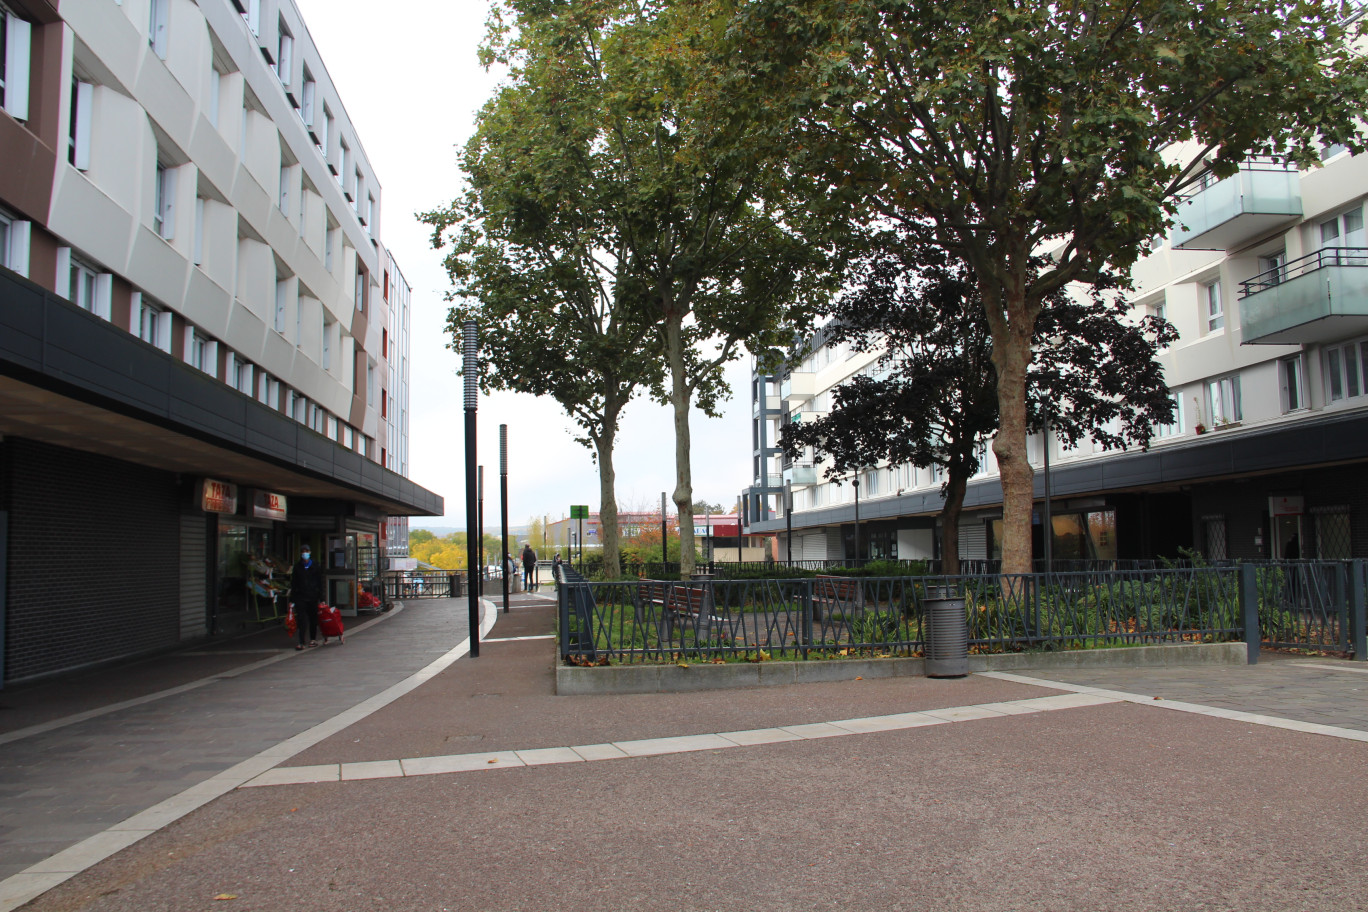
(371, 769)
(458, 763)
(652, 746)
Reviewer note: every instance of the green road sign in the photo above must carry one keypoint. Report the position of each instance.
(579, 511)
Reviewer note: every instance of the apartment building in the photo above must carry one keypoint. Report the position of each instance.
(1266, 279)
(203, 340)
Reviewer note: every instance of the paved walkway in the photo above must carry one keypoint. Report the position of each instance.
(362, 776)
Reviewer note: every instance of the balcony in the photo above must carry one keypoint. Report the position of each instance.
(1262, 196)
(771, 404)
(1317, 298)
(798, 387)
(800, 474)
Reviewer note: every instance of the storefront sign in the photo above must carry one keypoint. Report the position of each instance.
(218, 497)
(266, 505)
(1291, 505)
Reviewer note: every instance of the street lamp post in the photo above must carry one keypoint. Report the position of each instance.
(788, 519)
(503, 504)
(740, 517)
(470, 368)
(664, 548)
(857, 514)
(479, 500)
(1048, 526)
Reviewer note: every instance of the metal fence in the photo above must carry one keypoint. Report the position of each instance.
(402, 585)
(652, 621)
(1310, 605)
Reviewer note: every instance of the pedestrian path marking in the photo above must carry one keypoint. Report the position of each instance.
(650, 747)
(75, 718)
(37, 879)
(1235, 715)
(1361, 671)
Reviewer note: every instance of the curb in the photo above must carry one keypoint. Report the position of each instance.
(572, 680)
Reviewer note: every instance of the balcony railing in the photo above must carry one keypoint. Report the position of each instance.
(1264, 194)
(1317, 298)
(801, 474)
(797, 387)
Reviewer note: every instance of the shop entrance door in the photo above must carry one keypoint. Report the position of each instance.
(1287, 537)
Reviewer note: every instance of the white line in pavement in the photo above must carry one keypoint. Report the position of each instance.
(43, 876)
(54, 724)
(465, 763)
(1314, 728)
(1361, 671)
(541, 636)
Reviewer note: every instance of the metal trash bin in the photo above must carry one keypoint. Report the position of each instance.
(454, 581)
(947, 633)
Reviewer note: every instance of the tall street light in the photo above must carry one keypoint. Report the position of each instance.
(788, 519)
(470, 368)
(503, 504)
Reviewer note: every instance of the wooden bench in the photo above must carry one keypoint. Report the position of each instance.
(836, 593)
(679, 603)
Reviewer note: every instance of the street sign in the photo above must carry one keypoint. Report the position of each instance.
(579, 511)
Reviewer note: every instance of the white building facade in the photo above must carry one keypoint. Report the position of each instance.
(189, 217)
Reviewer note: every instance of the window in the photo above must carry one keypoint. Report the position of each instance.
(1342, 239)
(195, 350)
(215, 90)
(284, 200)
(1272, 268)
(325, 131)
(81, 285)
(370, 383)
(251, 12)
(360, 288)
(263, 387)
(284, 53)
(282, 301)
(154, 324)
(199, 230)
(1343, 366)
(163, 206)
(1223, 400)
(306, 98)
(156, 27)
(327, 342)
(1214, 537)
(329, 241)
(357, 188)
(303, 209)
(1215, 313)
(78, 127)
(14, 243)
(344, 153)
(1292, 381)
(16, 44)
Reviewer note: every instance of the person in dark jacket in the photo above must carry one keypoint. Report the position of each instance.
(529, 561)
(306, 591)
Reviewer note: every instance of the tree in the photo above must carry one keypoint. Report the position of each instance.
(932, 400)
(539, 251)
(645, 194)
(1066, 128)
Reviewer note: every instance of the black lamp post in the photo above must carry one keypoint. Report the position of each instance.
(788, 519)
(1049, 520)
(857, 514)
(503, 504)
(470, 367)
(664, 547)
(479, 499)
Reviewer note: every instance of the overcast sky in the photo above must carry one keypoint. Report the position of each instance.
(411, 84)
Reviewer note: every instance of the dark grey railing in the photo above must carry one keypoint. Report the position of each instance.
(1286, 604)
(402, 585)
(788, 618)
(1327, 256)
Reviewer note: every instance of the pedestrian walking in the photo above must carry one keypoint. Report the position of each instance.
(306, 591)
(555, 568)
(529, 559)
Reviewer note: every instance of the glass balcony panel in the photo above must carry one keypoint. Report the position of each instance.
(1259, 198)
(1316, 306)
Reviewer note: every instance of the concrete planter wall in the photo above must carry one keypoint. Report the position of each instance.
(622, 679)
